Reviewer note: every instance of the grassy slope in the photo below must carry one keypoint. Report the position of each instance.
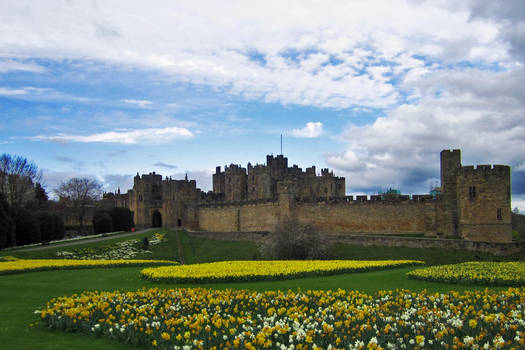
(193, 249)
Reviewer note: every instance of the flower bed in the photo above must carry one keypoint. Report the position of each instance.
(484, 273)
(28, 265)
(264, 270)
(121, 250)
(240, 319)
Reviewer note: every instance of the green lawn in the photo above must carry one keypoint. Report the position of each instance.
(21, 294)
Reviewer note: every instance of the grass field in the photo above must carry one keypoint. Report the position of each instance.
(21, 294)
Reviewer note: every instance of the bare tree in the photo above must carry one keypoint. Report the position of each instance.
(17, 176)
(79, 195)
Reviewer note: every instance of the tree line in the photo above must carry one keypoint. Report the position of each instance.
(27, 215)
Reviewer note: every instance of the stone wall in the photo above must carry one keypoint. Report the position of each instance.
(497, 248)
(239, 217)
(384, 217)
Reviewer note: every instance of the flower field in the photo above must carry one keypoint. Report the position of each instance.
(242, 319)
(485, 273)
(264, 270)
(27, 265)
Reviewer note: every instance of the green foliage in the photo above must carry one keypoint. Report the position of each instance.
(51, 226)
(122, 219)
(5, 222)
(518, 226)
(27, 227)
(102, 222)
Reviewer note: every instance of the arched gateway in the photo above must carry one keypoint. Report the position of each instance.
(156, 219)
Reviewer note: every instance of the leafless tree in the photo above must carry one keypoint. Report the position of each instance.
(17, 177)
(79, 196)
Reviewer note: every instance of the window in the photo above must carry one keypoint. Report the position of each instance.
(472, 192)
(498, 214)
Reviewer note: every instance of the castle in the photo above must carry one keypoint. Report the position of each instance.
(473, 203)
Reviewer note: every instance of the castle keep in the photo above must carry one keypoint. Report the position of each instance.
(472, 202)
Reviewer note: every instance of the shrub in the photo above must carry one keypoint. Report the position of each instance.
(60, 230)
(295, 240)
(51, 226)
(102, 222)
(122, 219)
(27, 228)
(5, 222)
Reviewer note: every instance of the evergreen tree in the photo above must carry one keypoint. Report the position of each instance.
(5, 222)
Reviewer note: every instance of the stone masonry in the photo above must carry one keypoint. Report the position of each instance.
(472, 203)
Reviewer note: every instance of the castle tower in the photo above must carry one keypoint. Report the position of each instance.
(483, 197)
(146, 200)
(450, 167)
(235, 184)
(218, 181)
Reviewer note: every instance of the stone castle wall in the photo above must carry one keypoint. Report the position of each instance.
(369, 216)
(260, 216)
(332, 217)
(472, 203)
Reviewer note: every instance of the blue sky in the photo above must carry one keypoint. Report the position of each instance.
(373, 90)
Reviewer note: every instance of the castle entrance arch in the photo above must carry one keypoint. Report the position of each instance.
(156, 219)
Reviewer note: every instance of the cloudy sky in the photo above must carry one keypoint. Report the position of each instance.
(372, 89)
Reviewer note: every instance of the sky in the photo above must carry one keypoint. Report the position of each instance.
(371, 89)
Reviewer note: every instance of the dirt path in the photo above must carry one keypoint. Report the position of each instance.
(98, 239)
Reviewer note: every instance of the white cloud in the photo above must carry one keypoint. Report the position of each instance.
(347, 161)
(312, 129)
(140, 103)
(336, 55)
(153, 135)
(12, 92)
(12, 65)
(39, 93)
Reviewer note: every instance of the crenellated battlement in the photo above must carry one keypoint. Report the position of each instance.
(502, 171)
(234, 169)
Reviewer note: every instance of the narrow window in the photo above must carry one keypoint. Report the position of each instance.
(499, 214)
(472, 192)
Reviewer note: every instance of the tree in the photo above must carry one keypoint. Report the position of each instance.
(41, 197)
(295, 240)
(5, 223)
(79, 196)
(17, 176)
(27, 228)
(51, 226)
